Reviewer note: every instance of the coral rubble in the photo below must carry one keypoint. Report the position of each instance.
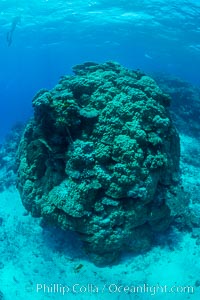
(8, 151)
(101, 158)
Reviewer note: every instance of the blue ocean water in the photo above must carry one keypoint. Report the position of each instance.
(46, 39)
(51, 36)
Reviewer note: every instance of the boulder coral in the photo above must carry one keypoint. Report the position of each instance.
(101, 157)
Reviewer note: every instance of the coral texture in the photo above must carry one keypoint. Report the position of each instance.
(185, 104)
(101, 158)
(8, 157)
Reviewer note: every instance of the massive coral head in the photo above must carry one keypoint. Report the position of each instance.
(101, 158)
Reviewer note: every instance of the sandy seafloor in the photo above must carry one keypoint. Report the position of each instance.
(31, 255)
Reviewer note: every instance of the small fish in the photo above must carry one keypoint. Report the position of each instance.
(148, 56)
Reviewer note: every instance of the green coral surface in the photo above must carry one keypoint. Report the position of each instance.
(101, 157)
